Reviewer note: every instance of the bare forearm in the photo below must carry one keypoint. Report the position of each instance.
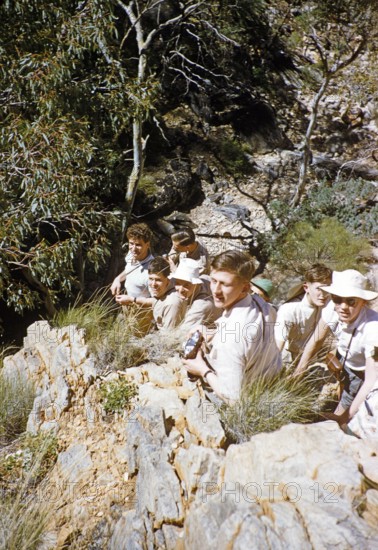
(312, 347)
(371, 376)
(144, 302)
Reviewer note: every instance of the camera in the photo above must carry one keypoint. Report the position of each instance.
(192, 345)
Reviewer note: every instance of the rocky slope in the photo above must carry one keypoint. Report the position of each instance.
(163, 475)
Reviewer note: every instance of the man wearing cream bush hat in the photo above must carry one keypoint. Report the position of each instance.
(195, 290)
(355, 327)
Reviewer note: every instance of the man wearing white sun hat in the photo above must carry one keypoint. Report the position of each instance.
(355, 327)
(195, 290)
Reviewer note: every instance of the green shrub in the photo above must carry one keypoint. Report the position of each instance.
(329, 243)
(29, 457)
(268, 404)
(117, 395)
(233, 157)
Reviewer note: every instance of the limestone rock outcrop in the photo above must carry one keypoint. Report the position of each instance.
(163, 475)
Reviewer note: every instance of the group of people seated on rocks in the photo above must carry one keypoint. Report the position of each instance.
(243, 335)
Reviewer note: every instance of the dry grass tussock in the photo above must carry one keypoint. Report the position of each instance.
(117, 336)
(16, 398)
(267, 404)
(24, 513)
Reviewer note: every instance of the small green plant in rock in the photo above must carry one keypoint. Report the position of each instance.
(148, 184)
(29, 457)
(117, 395)
(233, 157)
(266, 405)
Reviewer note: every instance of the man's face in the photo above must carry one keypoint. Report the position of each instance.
(348, 309)
(184, 289)
(157, 284)
(227, 288)
(138, 248)
(315, 294)
(177, 247)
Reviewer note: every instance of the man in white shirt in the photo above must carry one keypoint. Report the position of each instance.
(356, 328)
(135, 274)
(243, 346)
(296, 321)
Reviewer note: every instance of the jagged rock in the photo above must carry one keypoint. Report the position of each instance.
(57, 362)
(198, 468)
(157, 486)
(369, 467)
(172, 536)
(158, 489)
(370, 513)
(234, 212)
(167, 398)
(75, 464)
(332, 522)
(146, 427)
(295, 453)
(189, 439)
(161, 376)
(130, 528)
(204, 523)
(203, 421)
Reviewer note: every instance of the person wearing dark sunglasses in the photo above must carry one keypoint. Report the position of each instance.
(355, 327)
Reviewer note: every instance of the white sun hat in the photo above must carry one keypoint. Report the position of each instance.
(350, 284)
(188, 270)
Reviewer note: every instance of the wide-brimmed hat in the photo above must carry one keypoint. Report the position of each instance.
(188, 270)
(265, 285)
(350, 284)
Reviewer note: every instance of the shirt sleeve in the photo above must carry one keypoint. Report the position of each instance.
(371, 340)
(173, 312)
(282, 324)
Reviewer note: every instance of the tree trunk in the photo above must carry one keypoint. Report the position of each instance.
(306, 158)
(137, 170)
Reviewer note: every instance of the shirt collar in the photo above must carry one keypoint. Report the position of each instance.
(244, 302)
(306, 302)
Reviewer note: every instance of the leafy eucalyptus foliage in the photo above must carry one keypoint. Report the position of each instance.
(79, 80)
(59, 154)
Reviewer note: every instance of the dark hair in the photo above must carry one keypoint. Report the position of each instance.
(139, 231)
(235, 261)
(318, 273)
(159, 265)
(184, 237)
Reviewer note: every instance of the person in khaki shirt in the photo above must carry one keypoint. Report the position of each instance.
(195, 290)
(296, 321)
(185, 245)
(168, 308)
